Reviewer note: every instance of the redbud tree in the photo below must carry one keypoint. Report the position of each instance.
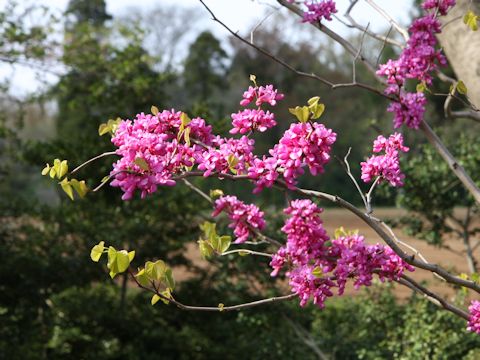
(167, 148)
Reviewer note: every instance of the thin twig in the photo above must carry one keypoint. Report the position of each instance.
(346, 166)
(198, 191)
(213, 308)
(431, 296)
(452, 162)
(108, 153)
(391, 20)
(369, 195)
(246, 252)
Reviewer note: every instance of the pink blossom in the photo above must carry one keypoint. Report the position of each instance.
(264, 172)
(362, 260)
(319, 10)
(262, 95)
(303, 144)
(442, 5)
(474, 319)
(227, 155)
(243, 217)
(308, 286)
(408, 110)
(386, 166)
(417, 61)
(150, 152)
(316, 265)
(252, 119)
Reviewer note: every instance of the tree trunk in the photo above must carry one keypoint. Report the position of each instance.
(462, 47)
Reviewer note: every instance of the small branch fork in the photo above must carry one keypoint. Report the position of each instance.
(391, 20)
(354, 24)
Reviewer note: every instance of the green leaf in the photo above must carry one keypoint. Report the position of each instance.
(131, 255)
(186, 135)
(243, 253)
(142, 278)
(65, 184)
(169, 279)
(205, 249)
(112, 264)
(452, 89)
(253, 79)
(80, 187)
(340, 232)
(155, 270)
(301, 113)
(154, 110)
(232, 161)
(97, 251)
(317, 272)
(62, 169)
(209, 229)
(45, 170)
(109, 127)
(224, 243)
(103, 129)
(461, 88)
(142, 163)
(185, 120)
(421, 87)
(475, 277)
(52, 172)
(155, 299)
(112, 254)
(221, 306)
(314, 100)
(317, 111)
(216, 193)
(122, 260)
(167, 293)
(215, 242)
(471, 20)
(305, 113)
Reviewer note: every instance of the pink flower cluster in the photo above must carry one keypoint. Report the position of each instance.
(386, 166)
(151, 153)
(418, 60)
(261, 95)
(360, 261)
(243, 217)
(229, 155)
(474, 319)
(306, 240)
(319, 10)
(409, 110)
(317, 265)
(303, 144)
(256, 119)
(252, 119)
(442, 5)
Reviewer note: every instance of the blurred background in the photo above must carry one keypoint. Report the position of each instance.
(68, 66)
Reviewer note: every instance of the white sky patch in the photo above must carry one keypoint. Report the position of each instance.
(239, 15)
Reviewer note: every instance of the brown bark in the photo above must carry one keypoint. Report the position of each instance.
(462, 47)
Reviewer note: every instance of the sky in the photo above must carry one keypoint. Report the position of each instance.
(239, 15)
